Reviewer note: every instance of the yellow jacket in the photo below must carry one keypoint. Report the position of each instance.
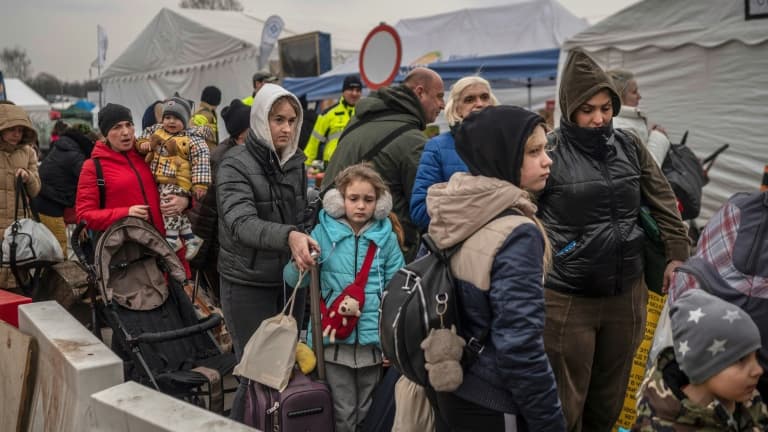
(327, 130)
(206, 116)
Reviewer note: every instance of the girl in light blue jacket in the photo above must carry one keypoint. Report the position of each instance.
(354, 216)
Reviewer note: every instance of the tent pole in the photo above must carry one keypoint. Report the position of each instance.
(529, 85)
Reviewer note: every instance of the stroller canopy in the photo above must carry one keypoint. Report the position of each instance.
(131, 258)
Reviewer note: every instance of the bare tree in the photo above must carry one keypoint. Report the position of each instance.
(15, 63)
(233, 5)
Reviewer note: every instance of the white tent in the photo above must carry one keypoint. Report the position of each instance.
(519, 26)
(701, 66)
(35, 105)
(185, 50)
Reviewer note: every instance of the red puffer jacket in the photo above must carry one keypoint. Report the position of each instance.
(128, 182)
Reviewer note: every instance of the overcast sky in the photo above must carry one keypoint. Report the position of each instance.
(60, 35)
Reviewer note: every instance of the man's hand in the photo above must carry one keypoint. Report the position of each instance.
(669, 272)
(199, 193)
(302, 246)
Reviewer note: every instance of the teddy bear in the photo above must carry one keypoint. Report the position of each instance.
(348, 309)
(443, 349)
(154, 141)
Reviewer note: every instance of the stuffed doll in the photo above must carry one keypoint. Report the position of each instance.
(443, 349)
(340, 319)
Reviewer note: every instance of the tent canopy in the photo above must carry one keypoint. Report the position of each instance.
(185, 50)
(700, 66)
(22, 95)
(467, 41)
(506, 70)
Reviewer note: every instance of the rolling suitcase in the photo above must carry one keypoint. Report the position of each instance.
(305, 405)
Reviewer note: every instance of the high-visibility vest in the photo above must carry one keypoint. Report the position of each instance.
(328, 128)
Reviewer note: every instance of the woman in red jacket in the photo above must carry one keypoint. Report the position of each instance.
(130, 187)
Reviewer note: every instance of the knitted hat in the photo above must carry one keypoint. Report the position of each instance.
(237, 117)
(264, 77)
(352, 81)
(710, 334)
(211, 95)
(111, 115)
(178, 108)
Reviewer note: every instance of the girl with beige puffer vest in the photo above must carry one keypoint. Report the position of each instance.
(17, 158)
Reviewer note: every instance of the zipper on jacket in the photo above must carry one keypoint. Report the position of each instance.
(615, 225)
(141, 184)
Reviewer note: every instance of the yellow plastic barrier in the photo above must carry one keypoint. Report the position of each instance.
(628, 413)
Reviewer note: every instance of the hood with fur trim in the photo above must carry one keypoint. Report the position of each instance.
(262, 104)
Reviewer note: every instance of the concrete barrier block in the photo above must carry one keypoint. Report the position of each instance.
(72, 365)
(134, 407)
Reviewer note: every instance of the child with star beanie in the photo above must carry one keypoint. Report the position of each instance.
(707, 381)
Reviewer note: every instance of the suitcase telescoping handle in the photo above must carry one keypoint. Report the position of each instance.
(317, 331)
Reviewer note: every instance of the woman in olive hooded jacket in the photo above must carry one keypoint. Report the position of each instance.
(595, 293)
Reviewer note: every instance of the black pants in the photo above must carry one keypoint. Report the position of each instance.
(458, 415)
(245, 307)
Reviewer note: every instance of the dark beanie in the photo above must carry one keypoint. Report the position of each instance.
(111, 115)
(211, 95)
(237, 117)
(352, 81)
(492, 141)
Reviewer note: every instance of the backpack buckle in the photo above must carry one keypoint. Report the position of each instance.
(475, 346)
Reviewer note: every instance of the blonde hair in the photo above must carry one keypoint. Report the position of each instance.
(360, 172)
(621, 79)
(548, 255)
(452, 107)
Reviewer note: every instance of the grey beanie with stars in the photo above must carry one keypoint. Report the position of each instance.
(710, 334)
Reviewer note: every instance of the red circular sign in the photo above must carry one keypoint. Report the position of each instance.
(380, 57)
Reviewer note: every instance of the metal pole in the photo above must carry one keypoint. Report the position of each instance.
(317, 331)
(529, 92)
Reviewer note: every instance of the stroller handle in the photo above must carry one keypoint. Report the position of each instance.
(75, 241)
(203, 325)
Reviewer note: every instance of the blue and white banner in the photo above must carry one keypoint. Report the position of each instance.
(272, 29)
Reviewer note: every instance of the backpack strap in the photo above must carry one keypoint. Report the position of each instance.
(373, 151)
(102, 185)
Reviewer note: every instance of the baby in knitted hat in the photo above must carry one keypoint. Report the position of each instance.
(180, 162)
(707, 381)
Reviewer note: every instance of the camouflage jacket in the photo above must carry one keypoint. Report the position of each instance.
(663, 407)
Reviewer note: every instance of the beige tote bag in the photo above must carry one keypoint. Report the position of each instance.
(270, 354)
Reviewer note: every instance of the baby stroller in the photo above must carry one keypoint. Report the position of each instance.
(155, 329)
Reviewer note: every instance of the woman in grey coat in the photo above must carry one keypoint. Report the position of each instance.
(261, 193)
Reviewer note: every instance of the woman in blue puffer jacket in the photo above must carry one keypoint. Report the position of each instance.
(439, 160)
(354, 218)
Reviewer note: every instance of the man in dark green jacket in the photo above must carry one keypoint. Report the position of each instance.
(403, 110)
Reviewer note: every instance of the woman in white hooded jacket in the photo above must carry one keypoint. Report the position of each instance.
(261, 194)
(633, 119)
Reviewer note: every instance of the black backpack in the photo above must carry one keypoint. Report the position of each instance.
(686, 175)
(419, 297)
